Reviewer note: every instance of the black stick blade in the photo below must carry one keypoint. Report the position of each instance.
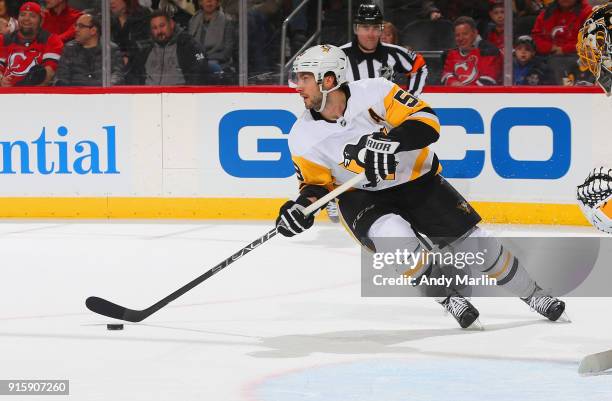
(107, 308)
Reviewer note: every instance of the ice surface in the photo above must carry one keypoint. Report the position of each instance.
(284, 323)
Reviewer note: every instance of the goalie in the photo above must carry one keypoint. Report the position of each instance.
(594, 47)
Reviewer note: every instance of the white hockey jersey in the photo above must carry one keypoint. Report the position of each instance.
(327, 153)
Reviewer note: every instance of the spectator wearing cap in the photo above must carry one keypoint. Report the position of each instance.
(527, 68)
(370, 58)
(59, 18)
(81, 62)
(29, 56)
(474, 61)
(495, 29)
(556, 31)
(173, 57)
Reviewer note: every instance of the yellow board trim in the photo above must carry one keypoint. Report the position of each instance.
(248, 209)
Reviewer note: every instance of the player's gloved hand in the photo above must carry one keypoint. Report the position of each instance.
(379, 157)
(291, 219)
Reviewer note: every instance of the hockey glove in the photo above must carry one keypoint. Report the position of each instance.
(379, 157)
(291, 219)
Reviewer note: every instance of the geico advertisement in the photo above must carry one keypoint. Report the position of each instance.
(494, 147)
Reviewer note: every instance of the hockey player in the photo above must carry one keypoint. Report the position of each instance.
(370, 58)
(594, 47)
(373, 125)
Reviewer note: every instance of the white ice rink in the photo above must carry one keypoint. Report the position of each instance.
(284, 323)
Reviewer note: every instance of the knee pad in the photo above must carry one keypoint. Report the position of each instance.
(391, 233)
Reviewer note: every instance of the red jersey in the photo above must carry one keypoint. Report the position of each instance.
(61, 24)
(559, 28)
(18, 56)
(480, 66)
(497, 38)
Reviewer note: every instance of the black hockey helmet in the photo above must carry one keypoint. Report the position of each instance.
(368, 14)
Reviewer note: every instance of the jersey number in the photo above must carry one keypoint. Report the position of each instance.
(406, 98)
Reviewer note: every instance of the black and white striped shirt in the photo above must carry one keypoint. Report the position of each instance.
(387, 61)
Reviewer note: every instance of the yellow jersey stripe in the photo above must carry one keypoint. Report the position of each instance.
(313, 173)
(418, 164)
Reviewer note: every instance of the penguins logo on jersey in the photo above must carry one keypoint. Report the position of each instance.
(354, 157)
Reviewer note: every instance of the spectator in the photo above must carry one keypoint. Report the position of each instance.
(172, 58)
(59, 18)
(8, 24)
(214, 31)
(264, 45)
(527, 68)
(556, 31)
(389, 34)
(578, 75)
(129, 26)
(29, 56)
(369, 58)
(453, 9)
(475, 61)
(81, 62)
(181, 10)
(495, 29)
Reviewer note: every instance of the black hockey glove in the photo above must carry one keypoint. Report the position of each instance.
(34, 77)
(379, 157)
(291, 219)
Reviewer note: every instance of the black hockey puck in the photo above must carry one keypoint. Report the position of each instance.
(114, 326)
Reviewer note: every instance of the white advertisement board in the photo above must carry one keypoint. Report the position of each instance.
(495, 147)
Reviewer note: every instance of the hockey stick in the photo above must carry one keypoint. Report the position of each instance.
(596, 363)
(107, 308)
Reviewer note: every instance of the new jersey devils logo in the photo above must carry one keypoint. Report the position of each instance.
(20, 63)
(467, 70)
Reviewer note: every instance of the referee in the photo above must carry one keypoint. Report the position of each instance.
(370, 58)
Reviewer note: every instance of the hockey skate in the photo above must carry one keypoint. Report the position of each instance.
(462, 310)
(332, 211)
(546, 305)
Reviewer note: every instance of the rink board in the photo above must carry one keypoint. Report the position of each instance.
(222, 153)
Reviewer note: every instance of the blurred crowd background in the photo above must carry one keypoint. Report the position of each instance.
(198, 42)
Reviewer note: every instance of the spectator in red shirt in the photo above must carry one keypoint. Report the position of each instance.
(496, 27)
(59, 18)
(556, 28)
(29, 56)
(475, 61)
(556, 32)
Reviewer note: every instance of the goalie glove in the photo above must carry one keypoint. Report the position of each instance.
(291, 219)
(379, 158)
(595, 199)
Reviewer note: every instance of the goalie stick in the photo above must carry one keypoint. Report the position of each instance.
(103, 307)
(596, 363)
